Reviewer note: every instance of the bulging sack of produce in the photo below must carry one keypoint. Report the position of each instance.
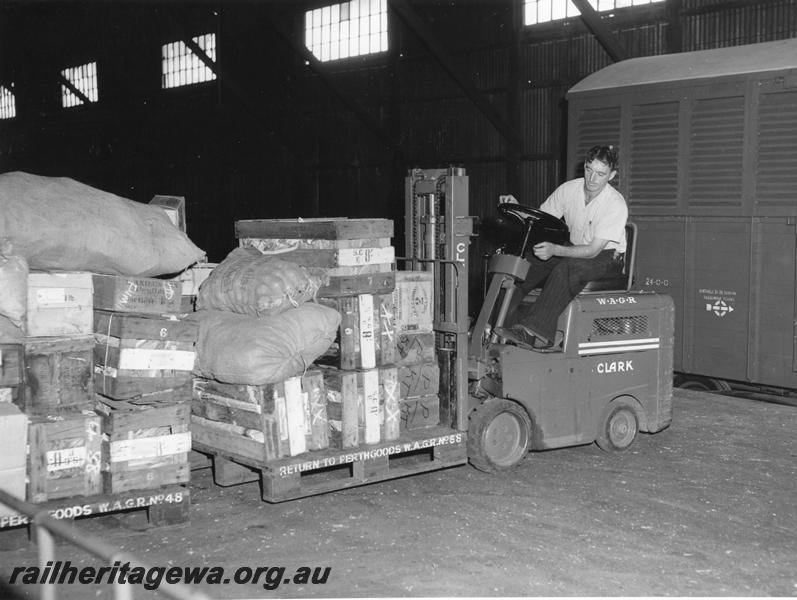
(59, 224)
(10, 333)
(243, 349)
(13, 285)
(250, 283)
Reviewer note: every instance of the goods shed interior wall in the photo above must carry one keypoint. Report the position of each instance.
(276, 137)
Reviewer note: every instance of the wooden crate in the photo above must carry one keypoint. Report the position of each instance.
(321, 228)
(137, 294)
(182, 393)
(366, 336)
(64, 457)
(59, 304)
(144, 446)
(58, 374)
(140, 353)
(261, 423)
(189, 281)
(414, 300)
(12, 372)
(174, 207)
(14, 433)
(362, 406)
(334, 469)
(351, 256)
(281, 245)
(355, 283)
(331, 258)
(420, 379)
(415, 347)
(420, 412)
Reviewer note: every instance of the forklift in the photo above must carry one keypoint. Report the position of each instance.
(608, 378)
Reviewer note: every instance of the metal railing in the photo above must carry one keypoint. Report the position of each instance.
(47, 529)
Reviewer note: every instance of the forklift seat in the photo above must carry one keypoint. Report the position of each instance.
(622, 282)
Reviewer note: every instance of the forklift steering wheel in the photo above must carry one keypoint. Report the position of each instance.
(539, 225)
(532, 216)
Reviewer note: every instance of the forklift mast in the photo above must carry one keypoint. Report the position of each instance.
(437, 234)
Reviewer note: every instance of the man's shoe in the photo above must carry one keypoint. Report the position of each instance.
(538, 342)
(518, 338)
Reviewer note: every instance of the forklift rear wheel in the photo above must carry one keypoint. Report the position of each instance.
(620, 427)
(499, 435)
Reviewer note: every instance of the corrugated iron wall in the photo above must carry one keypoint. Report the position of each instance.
(302, 151)
(716, 23)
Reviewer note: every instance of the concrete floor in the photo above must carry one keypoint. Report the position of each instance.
(706, 507)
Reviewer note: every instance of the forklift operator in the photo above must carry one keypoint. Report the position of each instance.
(596, 214)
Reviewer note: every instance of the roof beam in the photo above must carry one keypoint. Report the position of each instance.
(267, 127)
(421, 28)
(371, 123)
(614, 48)
(72, 88)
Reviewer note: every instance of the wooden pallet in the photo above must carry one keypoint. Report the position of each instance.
(331, 470)
(169, 505)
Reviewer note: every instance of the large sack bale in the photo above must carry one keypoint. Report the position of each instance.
(10, 333)
(242, 349)
(249, 283)
(13, 286)
(59, 224)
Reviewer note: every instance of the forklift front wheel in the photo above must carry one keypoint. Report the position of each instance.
(499, 435)
(620, 428)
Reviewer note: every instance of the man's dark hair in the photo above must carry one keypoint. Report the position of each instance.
(606, 154)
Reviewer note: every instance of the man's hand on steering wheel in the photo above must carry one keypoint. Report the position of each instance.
(544, 250)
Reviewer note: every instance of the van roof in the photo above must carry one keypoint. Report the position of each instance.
(702, 64)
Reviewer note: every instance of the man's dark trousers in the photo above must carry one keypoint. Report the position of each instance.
(563, 278)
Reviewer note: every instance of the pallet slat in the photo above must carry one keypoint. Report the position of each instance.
(331, 470)
(165, 506)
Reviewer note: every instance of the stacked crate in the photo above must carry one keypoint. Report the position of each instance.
(59, 344)
(418, 369)
(260, 423)
(57, 388)
(189, 282)
(13, 468)
(144, 357)
(355, 260)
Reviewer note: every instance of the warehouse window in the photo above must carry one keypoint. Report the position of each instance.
(8, 104)
(349, 29)
(543, 11)
(79, 85)
(181, 66)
